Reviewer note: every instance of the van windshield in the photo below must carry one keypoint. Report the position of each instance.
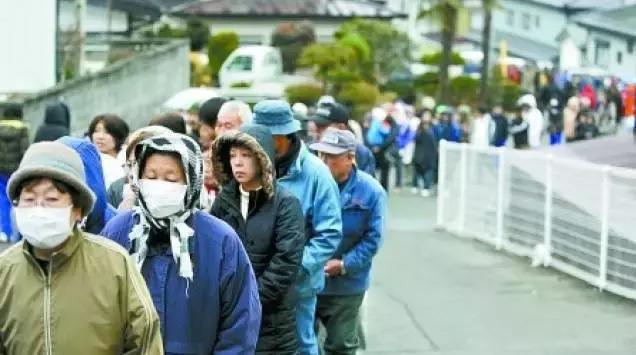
(240, 63)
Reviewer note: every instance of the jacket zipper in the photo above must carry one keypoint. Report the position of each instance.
(46, 304)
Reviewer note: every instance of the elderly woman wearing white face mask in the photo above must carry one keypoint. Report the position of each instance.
(52, 282)
(198, 273)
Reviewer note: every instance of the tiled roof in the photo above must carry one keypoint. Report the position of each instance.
(618, 21)
(287, 8)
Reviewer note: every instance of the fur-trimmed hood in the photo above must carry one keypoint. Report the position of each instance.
(257, 139)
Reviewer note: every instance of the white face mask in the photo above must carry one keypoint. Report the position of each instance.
(163, 198)
(44, 228)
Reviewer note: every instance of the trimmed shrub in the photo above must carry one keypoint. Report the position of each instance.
(305, 93)
(360, 96)
(220, 46)
(464, 90)
(436, 59)
(291, 38)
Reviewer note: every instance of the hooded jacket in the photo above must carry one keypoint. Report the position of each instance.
(220, 313)
(89, 299)
(198, 273)
(102, 210)
(311, 182)
(57, 123)
(273, 234)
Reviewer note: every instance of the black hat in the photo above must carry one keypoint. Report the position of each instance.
(327, 114)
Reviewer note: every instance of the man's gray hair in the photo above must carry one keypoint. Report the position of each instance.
(238, 107)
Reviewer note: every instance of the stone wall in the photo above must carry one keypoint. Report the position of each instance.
(133, 88)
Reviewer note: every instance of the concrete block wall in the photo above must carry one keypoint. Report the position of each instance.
(133, 88)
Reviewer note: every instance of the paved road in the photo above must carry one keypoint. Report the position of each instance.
(434, 293)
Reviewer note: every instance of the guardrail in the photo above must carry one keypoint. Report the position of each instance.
(568, 214)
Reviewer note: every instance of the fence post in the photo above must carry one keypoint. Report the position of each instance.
(499, 235)
(463, 181)
(605, 196)
(547, 218)
(441, 183)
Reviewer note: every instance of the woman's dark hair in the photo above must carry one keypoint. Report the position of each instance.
(171, 120)
(114, 125)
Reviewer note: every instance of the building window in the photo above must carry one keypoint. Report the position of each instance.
(537, 21)
(630, 46)
(525, 21)
(619, 57)
(510, 18)
(602, 53)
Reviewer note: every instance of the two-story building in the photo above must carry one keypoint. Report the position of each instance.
(610, 40)
(533, 29)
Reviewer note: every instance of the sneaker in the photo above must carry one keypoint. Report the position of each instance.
(414, 191)
(425, 193)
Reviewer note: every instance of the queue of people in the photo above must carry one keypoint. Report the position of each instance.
(231, 235)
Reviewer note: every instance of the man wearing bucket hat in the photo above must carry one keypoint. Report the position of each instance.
(309, 180)
(64, 291)
(362, 205)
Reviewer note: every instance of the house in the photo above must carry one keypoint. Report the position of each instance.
(255, 21)
(534, 29)
(610, 38)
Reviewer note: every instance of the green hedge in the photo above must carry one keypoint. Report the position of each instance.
(305, 93)
(360, 96)
(220, 46)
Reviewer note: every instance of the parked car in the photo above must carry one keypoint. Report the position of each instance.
(249, 66)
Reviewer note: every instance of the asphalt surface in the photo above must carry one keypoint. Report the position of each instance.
(435, 293)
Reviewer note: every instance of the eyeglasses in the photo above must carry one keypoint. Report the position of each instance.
(29, 202)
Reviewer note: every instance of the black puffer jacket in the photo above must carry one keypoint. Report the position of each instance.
(14, 141)
(273, 235)
(57, 123)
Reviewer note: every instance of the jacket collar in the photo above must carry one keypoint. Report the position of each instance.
(62, 255)
(346, 195)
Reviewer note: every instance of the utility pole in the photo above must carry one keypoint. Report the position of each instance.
(81, 35)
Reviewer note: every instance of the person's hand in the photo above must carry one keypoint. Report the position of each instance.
(375, 149)
(333, 268)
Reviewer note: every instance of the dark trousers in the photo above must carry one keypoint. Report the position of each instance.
(340, 317)
(423, 175)
(383, 166)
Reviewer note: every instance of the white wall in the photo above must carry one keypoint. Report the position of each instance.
(96, 18)
(626, 69)
(261, 30)
(27, 62)
(551, 21)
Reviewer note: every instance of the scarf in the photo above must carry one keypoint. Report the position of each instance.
(174, 225)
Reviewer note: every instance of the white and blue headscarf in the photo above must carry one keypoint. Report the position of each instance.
(190, 153)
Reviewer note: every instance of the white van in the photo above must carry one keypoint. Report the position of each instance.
(249, 66)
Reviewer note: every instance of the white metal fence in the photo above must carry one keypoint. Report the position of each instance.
(574, 216)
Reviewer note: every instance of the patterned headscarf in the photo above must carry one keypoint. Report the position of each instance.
(189, 152)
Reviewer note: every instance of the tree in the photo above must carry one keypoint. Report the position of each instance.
(198, 32)
(291, 38)
(333, 63)
(488, 6)
(220, 46)
(389, 49)
(446, 12)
